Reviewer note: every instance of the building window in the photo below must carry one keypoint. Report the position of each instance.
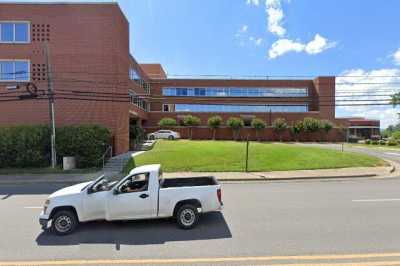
(14, 32)
(134, 75)
(14, 70)
(168, 107)
(235, 92)
(239, 108)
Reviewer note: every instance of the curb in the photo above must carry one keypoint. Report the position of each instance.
(295, 178)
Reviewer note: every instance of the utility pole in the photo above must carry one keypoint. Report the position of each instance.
(50, 93)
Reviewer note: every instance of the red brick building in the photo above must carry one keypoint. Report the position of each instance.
(96, 80)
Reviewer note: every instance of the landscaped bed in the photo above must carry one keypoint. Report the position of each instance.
(203, 156)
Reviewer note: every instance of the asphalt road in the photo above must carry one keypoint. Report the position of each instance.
(310, 219)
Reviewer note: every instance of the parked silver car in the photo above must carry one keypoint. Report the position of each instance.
(164, 134)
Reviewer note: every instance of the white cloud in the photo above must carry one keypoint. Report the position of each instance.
(376, 85)
(318, 45)
(253, 2)
(396, 57)
(283, 46)
(256, 41)
(275, 17)
(315, 46)
(243, 28)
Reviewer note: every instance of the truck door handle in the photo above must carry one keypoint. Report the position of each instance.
(143, 196)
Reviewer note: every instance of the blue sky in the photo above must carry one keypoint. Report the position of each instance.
(274, 37)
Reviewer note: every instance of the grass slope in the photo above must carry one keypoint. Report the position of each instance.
(218, 156)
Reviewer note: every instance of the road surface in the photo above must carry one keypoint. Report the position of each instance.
(266, 223)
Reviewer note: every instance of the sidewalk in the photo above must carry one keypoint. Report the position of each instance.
(378, 172)
(354, 172)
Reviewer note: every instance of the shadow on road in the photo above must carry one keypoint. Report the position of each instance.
(144, 232)
(7, 190)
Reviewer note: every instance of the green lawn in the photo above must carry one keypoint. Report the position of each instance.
(184, 155)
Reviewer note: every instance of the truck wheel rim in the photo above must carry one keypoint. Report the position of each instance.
(187, 217)
(63, 223)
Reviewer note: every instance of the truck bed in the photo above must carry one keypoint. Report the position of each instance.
(188, 182)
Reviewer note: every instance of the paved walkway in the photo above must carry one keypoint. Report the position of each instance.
(384, 171)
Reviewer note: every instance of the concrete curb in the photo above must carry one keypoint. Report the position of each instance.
(296, 178)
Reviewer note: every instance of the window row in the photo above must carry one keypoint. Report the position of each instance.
(14, 70)
(236, 92)
(228, 108)
(14, 32)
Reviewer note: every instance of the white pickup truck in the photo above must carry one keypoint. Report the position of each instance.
(143, 194)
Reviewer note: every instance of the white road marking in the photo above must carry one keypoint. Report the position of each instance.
(374, 200)
(33, 207)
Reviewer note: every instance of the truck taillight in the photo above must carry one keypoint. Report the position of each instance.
(219, 195)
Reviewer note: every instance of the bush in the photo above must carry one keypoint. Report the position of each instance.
(392, 142)
(25, 146)
(191, 121)
(382, 142)
(374, 142)
(136, 135)
(167, 122)
(367, 141)
(235, 123)
(296, 129)
(311, 125)
(258, 124)
(279, 125)
(214, 122)
(86, 142)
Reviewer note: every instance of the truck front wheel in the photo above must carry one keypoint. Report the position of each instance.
(64, 222)
(187, 216)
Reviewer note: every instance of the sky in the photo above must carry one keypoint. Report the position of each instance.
(356, 40)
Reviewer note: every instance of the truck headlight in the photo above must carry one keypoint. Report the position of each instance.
(46, 204)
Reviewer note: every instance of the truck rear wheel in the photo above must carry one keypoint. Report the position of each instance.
(64, 222)
(187, 216)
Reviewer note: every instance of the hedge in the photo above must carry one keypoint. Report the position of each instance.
(86, 142)
(24, 146)
(29, 146)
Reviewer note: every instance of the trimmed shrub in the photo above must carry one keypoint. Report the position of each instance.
(391, 142)
(258, 124)
(367, 141)
(235, 123)
(311, 125)
(382, 142)
(279, 125)
(374, 142)
(86, 142)
(296, 129)
(214, 123)
(24, 146)
(191, 121)
(167, 122)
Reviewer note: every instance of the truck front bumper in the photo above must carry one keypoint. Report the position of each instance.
(43, 220)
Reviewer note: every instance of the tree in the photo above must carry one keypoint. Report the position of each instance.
(235, 123)
(311, 125)
(279, 125)
(395, 99)
(326, 126)
(214, 123)
(191, 121)
(296, 129)
(258, 125)
(167, 122)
